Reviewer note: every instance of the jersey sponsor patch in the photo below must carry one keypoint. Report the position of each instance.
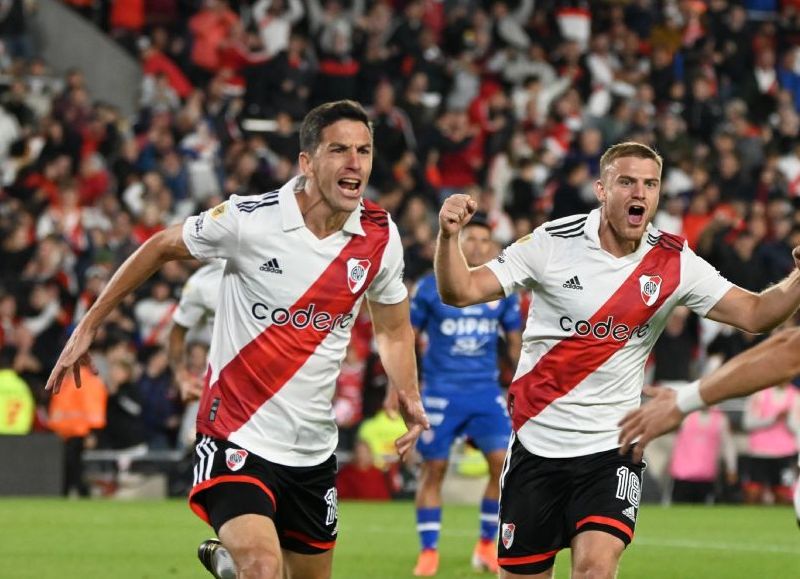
(218, 211)
(235, 458)
(357, 270)
(507, 534)
(650, 286)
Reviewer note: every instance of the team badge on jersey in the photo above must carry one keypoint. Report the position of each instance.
(357, 270)
(507, 534)
(235, 457)
(650, 286)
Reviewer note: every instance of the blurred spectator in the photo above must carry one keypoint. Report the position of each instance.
(16, 401)
(125, 427)
(274, 19)
(161, 407)
(704, 437)
(771, 445)
(360, 479)
(75, 414)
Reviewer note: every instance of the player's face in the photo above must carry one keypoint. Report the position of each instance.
(629, 192)
(476, 243)
(340, 167)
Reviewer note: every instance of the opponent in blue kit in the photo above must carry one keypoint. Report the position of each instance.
(462, 396)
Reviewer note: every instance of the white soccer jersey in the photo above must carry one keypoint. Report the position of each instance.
(287, 304)
(592, 323)
(199, 301)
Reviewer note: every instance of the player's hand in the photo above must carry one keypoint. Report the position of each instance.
(654, 418)
(796, 256)
(391, 403)
(73, 356)
(416, 420)
(455, 213)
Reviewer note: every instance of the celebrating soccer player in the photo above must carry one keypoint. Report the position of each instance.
(300, 261)
(603, 284)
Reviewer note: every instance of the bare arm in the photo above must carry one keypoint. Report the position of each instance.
(458, 284)
(514, 342)
(165, 246)
(189, 386)
(774, 361)
(764, 311)
(395, 338)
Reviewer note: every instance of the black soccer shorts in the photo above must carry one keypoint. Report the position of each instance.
(230, 481)
(545, 502)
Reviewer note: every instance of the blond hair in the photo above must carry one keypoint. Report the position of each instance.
(628, 149)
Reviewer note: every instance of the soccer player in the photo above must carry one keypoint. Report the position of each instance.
(300, 261)
(776, 360)
(194, 317)
(462, 396)
(603, 284)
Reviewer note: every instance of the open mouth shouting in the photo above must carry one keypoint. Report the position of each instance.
(636, 214)
(349, 184)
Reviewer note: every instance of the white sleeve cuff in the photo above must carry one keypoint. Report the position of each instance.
(688, 398)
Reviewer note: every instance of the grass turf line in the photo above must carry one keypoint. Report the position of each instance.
(57, 539)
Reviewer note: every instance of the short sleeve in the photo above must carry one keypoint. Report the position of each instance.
(421, 302)
(704, 286)
(213, 233)
(523, 263)
(190, 309)
(388, 286)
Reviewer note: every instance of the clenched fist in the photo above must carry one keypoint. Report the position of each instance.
(455, 213)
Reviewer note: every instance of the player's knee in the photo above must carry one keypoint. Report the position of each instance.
(435, 471)
(602, 567)
(258, 564)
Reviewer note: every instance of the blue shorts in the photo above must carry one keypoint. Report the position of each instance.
(480, 414)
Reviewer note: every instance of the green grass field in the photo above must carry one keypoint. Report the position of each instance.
(56, 539)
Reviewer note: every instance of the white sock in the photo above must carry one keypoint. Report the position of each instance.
(223, 564)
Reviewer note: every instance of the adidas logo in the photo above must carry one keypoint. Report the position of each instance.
(271, 266)
(573, 283)
(630, 512)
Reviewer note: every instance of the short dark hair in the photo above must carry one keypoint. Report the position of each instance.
(479, 219)
(325, 115)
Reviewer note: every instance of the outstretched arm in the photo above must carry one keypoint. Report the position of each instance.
(774, 361)
(165, 246)
(458, 284)
(763, 311)
(395, 338)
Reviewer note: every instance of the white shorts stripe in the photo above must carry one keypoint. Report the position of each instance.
(205, 450)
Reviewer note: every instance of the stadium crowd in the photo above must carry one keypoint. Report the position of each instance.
(512, 102)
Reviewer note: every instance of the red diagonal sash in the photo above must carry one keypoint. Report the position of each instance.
(574, 358)
(269, 361)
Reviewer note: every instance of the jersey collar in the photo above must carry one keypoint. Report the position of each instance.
(291, 218)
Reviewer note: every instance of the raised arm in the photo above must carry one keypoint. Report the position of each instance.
(458, 284)
(774, 361)
(165, 246)
(763, 311)
(395, 339)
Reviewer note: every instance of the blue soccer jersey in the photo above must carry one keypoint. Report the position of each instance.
(460, 390)
(462, 342)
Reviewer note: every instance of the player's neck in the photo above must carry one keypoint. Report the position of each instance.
(320, 218)
(611, 242)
